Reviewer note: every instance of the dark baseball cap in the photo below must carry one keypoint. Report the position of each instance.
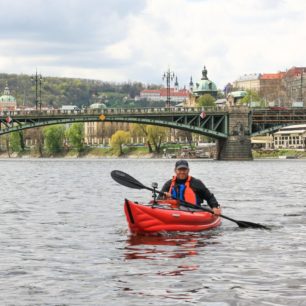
(180, 164)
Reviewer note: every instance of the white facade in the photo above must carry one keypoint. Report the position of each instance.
(150, 95)
(161, 94)
(290, 137)
(248, 82)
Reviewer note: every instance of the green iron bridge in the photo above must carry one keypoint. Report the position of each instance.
(232, 127)
(212, 123)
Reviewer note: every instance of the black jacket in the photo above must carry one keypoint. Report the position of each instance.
(199, 188)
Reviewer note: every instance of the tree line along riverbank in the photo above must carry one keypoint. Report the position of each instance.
(139, 152)
(68, 141)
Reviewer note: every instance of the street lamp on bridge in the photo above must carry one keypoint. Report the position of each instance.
(168, 76)
(40, 100)
(37, 78)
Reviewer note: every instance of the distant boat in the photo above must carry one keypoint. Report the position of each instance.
(288, 157)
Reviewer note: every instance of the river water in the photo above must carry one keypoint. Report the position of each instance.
(64, 238)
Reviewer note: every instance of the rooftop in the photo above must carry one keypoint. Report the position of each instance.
(272, 76)
(238, 94)
(294, 127)
(281, 132)
(163, 92)
(294, 71)
(249, 77)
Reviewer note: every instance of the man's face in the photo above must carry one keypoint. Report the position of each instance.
(182, 173)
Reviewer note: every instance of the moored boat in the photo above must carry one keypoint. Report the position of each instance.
(164, 216)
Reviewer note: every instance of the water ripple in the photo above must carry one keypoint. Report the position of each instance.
(64, 238)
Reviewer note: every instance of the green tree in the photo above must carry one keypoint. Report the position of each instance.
(7, 144)
(252, 96)
(156, 134)
(118, 140)
(39, 136)
(206, 100)
(17, 142)
(54, 138)
(220, 94)
(21, 138)
(59, 91)
(140, 130)
(75, 135)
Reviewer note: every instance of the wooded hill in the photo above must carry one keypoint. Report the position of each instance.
(56, 91)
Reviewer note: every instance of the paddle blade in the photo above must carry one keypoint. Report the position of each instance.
(126, 180)
(246, 224)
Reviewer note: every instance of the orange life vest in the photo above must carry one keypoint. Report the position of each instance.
(188, 194)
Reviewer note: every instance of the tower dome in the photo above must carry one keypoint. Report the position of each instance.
(7, 101)
(205, 86)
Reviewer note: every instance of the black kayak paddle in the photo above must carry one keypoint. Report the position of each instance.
(128, 181)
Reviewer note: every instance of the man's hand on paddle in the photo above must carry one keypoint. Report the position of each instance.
(167, 195)
(217, 211)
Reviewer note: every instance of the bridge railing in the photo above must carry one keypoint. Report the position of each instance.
(146, 110)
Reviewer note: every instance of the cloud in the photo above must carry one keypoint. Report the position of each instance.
(138, 40)
(230, 37)
(65, 21)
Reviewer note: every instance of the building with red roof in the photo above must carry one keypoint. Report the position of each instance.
(176, 95)
(281, 88)
(271, 87)
(294, 81)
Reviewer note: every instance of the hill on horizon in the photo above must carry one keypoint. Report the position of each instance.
(58, 91)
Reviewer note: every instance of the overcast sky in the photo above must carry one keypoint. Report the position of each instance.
(137, 40)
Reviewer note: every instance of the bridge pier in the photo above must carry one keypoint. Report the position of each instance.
(238, 144)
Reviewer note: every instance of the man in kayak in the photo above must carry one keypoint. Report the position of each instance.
(189, 189)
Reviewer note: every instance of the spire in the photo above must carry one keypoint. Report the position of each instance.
(204, 74)
(191, 84)
(176, 84)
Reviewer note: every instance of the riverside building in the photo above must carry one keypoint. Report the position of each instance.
(176, 95)
(290, 137)
(248, 82)
(277, 89)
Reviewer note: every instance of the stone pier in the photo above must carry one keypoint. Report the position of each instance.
(238, 145)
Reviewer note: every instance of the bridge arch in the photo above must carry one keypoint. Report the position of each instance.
(174, 125)
(193, 124)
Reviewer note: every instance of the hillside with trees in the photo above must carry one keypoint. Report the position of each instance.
(56, 91)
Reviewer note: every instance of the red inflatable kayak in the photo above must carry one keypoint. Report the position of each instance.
(165, 216)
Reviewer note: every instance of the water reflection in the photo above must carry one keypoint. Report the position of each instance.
(168, 245)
